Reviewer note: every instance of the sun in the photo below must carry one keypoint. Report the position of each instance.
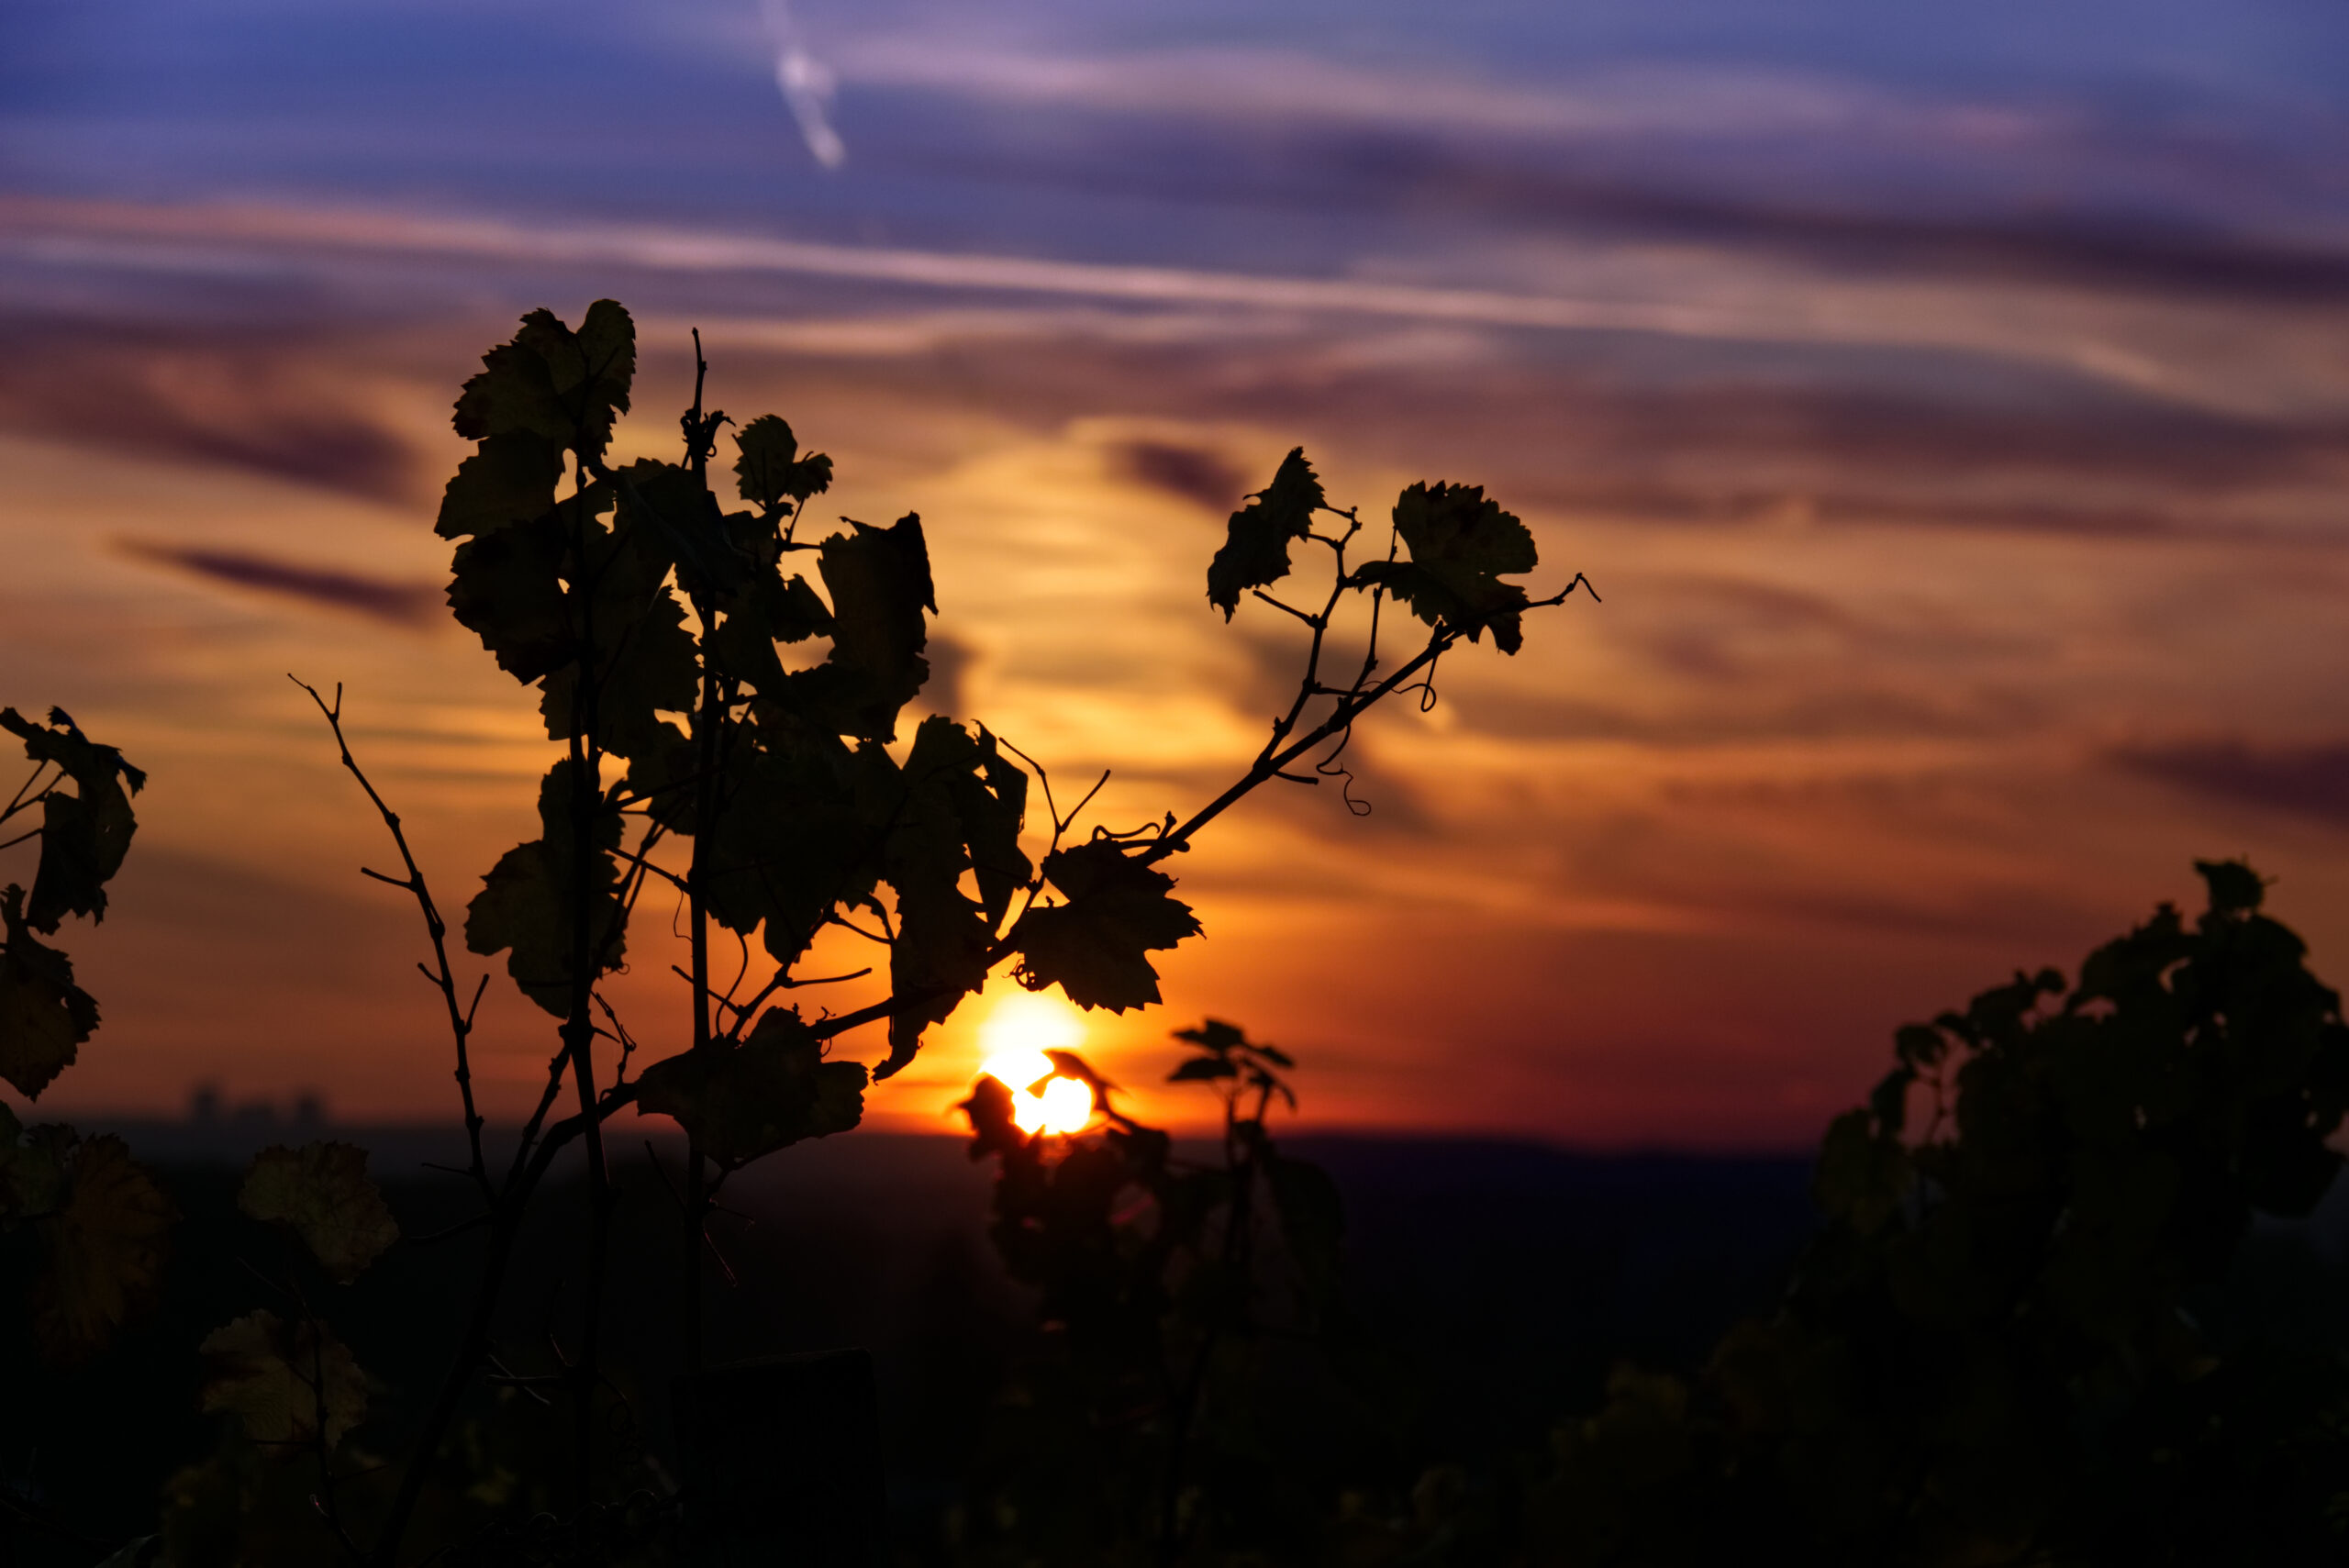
(1021, 1028)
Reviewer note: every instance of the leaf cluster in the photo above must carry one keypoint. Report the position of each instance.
(1170, 1289)
(2019, 1335)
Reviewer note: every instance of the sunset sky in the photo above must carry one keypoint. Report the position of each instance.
(1951, 406)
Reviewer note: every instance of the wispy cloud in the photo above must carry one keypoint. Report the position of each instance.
(1678, 103)
(806, 84)
(400, 603)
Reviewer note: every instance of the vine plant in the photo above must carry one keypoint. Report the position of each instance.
(707, 751)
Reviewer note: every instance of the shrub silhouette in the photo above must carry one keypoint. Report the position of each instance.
(1181, 1390)
(2025, 1332)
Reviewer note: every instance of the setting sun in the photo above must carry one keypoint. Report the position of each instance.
(1022, 1027)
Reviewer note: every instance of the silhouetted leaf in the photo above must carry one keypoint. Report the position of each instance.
(83, 836)
(770, 1092)
(507, 589)
(527, 903)
(992, 800)
(800, 833)
(44, 1016)
(1461, 545)
(1862, 1173)
(1215, 1035)
(286, 1383)
(879, 581)
(939, 953)
(633, 632)
(667, 501)
(564, 385)
(510, 479)
(105, 1252)
(2235, 888)
(1255, 545)
(32, 1170)
(992, 1127)
(1093, 946)
(321, 1193)
(771, 610)
(771, 468)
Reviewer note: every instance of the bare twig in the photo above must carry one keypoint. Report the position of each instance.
(461, 1018)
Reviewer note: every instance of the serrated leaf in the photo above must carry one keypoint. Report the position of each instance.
(510, 479)
(1094, 946)
(668, 503)
(770, 469)
(938, 958)
(795, 837)
(645, 664)
(104, 1252)
(880, 584)
(566, 387)
(32, 1170)
(938, 954)
(321, 1193)
(507, 589)
(1256, 541)
(44, 1016)
(286, 1383)
(1461, 545)
(85, 835)
(992, 801)
(527, 903)
(772, 1091)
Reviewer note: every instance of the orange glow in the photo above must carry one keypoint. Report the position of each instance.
(1014, 1037)
(1063, 1107)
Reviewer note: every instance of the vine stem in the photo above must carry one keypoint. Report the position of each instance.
(460, 1018)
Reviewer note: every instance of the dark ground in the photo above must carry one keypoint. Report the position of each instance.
(1509, 1276)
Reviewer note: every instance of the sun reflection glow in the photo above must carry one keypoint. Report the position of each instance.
(1014, 1037)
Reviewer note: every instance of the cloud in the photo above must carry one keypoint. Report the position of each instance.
(2310, 782)
(402, 604)
(1195, 474)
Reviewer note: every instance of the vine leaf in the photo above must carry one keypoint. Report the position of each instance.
(105, 1247)
(1255, 545)
(83, 836)
(769, 1093)
(671, 504)
(800, 834)
(32, 1170)
(280, 1380)
(633, 636)
(771, 610)
(771, 468)
(510, 479)
(523, 908)
(566, 387)
(1094, 946)
(962, 808)
(1461, 545)
(880, 583)
(44, 1016)
(507, 589)
(321, 1193)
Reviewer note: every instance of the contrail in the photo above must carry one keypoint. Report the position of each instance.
(806, 86)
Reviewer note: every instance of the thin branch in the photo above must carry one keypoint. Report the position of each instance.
(460, 1018)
